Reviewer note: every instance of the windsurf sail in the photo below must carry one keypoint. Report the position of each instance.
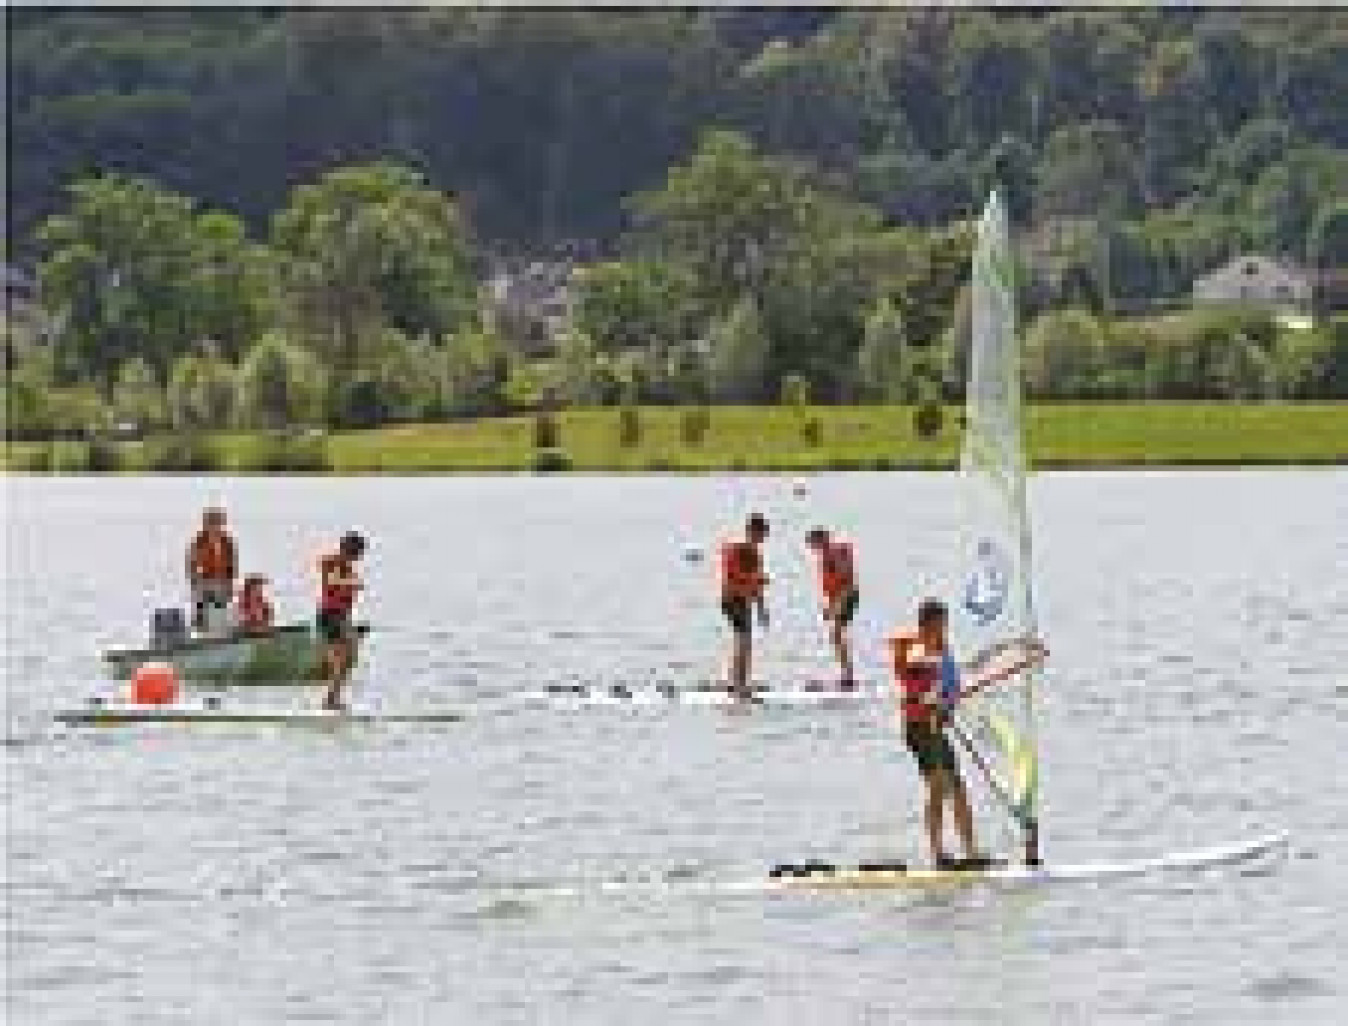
(994, 610)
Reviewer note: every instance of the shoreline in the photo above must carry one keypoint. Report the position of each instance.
(734, 440)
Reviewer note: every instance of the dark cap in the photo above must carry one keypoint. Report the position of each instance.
(758, 524)
(929, 611)
(353, 543)
(816, 536)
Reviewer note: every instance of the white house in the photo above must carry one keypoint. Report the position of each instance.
(1258, 280)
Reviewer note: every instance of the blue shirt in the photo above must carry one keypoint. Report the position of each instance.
(950, 680)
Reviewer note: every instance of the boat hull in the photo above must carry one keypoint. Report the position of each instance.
(290, 654)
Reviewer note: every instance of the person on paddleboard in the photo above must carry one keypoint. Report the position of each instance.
(838, 583)
(743, 584)
(339, 586)
(927, 677)
(212, 564)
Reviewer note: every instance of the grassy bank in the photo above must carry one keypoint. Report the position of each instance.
(846, 438)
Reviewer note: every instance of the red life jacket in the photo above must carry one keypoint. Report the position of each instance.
(335, 598)
(919, 691)
(837, 570)
(741, 571)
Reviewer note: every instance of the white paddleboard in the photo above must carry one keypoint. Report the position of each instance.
(857, 878)
(127, 714)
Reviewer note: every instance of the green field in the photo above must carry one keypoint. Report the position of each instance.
(849, 438)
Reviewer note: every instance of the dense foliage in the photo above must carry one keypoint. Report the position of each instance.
(258, 215)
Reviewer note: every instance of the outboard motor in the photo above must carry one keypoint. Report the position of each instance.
(168, 628)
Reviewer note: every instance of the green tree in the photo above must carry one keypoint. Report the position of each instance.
(202, 393)
(634, 304)
(474, 370)
(367, 248)
(739, 354)
(579, 372)
(280, 385)
(1328, 246)
(995, 78)
(1065, 355)
(138, 272)
(1088, 169)
(1178, 122)
(27, 396)
(883, 360)
(729, 216)
(137, 396)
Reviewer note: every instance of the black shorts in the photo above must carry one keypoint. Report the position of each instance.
(740, 614)
(847, 611)
(332, 626)
(931, 748)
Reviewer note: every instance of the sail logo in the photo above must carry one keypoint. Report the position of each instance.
(989, 584)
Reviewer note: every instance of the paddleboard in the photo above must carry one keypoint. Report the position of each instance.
(129, 714)
(821, 876)
(703, 695)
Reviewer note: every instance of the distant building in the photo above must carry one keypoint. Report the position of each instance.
(1257, 280)
(530, 303)
(20, 287)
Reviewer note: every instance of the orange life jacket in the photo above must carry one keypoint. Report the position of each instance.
(741, 571)
(334, 597)
(837, 570)
(254, 610)
(213, 556)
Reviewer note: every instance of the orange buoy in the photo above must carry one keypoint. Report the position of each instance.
(154, 684)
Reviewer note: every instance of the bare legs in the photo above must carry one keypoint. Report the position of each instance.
(843, 650)
(741, 661)
(940, 789)
(336, 667)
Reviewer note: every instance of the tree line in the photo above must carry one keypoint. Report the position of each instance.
(259, 218)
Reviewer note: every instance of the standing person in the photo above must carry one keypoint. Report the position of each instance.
(927, 679)
(212, 563)
(838, 582)
(339, 586)
(742, 586)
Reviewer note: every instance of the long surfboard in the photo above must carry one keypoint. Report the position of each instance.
(709, 695)
(129, 715)
(818, 876)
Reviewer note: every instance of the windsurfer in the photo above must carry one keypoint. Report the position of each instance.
(928, 681)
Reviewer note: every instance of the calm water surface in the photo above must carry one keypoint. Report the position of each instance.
(538, 865)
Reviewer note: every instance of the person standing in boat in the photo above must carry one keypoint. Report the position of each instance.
(339, 586)
(212, 564)
(743, 584)
(838, 582)
(928, 681)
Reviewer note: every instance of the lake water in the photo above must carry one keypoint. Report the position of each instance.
(541, 865)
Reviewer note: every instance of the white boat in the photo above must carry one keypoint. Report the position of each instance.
(289, 654)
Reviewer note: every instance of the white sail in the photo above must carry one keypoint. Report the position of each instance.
(995, 607)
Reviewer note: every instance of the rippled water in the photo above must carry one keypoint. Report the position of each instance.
(533, 864)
